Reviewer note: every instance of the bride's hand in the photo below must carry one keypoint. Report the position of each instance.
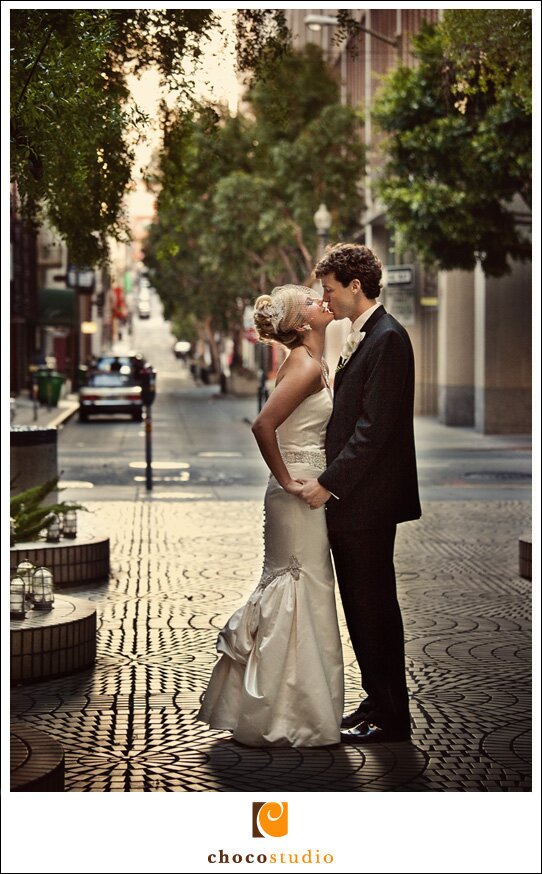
(293, 488)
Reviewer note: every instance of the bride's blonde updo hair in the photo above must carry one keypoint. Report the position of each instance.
(277, 315)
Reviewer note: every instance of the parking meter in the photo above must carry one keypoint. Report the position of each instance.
(148, 385)
(147, 379)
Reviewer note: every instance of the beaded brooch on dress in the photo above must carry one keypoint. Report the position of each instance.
(293, 568)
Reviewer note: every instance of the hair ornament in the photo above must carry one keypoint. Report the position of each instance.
(274, 311)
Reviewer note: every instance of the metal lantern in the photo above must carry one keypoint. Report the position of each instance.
(42, 584)
(53, 529)
(16, 598)
(25, 572)
(69, 527)
(322, 219)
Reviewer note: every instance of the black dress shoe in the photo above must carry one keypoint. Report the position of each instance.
(369, 733)
(349, 720)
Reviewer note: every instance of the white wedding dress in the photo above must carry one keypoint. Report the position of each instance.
(279, 680)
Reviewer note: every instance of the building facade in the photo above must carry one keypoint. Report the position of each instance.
(471, 334)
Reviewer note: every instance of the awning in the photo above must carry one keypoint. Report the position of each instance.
(56, 307)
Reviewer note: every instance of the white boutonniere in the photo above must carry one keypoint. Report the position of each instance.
(351, 344)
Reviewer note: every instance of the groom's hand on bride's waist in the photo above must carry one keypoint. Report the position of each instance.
(314, 494)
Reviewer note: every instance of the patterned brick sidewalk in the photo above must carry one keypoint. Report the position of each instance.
(178, 571)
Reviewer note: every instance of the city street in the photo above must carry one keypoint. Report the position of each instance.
(202, 443)
(203, 447)
(185, 555)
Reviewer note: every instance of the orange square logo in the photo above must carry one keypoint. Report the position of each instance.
(269, 819)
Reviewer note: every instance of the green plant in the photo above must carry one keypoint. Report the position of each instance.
(30, 517)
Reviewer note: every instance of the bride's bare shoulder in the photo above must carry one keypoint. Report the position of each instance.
(298, 364)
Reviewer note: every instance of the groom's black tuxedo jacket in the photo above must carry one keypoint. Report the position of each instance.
(370, 437)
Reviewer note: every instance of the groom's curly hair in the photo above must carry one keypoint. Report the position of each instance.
(348, 261)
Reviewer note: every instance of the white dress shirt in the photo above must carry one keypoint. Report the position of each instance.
(358, 324)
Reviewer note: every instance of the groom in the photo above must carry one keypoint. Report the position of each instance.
(370, 485)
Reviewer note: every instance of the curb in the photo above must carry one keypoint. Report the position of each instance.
(63, 416)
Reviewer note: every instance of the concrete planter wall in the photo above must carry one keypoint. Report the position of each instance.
(33, 458)
(71, 561)
(51, 643)
(37, 760)
(526, 557)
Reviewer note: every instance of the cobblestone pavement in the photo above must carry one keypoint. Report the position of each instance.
(178, 571)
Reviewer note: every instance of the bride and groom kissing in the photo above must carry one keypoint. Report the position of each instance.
(342, 476)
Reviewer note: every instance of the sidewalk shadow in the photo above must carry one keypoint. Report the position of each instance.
(340, 768)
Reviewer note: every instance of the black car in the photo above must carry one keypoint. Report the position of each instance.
(109, 392)
(130, 363)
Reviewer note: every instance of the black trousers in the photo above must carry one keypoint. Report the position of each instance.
(366, 577)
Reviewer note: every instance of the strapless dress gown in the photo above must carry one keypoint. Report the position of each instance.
(279, 678)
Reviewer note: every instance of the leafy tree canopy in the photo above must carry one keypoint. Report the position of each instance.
(491, 52)
(457, 155)
(72, 122)
(263, 40)
(237, 195)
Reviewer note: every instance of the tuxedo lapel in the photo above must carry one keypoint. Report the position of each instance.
(370, 323)
(367, 328)
(338, 378)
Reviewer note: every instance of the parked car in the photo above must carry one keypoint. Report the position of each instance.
(124, 362)
(144, 309)
(181, 349)
(108, 392)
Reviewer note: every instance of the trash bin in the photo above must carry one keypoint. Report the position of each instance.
(49, 385)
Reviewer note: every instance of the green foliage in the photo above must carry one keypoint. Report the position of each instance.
(457, 150)
(237, 195)
(262, 40)
(160, 38)
(200, 148)
(292, 93)
(29, 516)
(73, 124)
(491, 51)
(31, 497)
(185, 326)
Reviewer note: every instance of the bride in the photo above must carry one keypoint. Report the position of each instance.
(279, 681)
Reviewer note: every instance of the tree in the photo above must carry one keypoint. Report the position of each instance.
(200, 147)
(237, 195)
(263, 40)
(491, 49)
(458, 150)
(73, 124)
(72, 121)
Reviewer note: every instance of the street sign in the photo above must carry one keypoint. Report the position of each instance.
(401, 303)
(395, 275)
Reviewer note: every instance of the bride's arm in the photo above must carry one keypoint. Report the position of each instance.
(300, 380)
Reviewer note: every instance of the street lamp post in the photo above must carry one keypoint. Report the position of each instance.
(317, 22)
(322, 222)
(81, 279)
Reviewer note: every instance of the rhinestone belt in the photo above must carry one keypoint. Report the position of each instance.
(311, 457)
